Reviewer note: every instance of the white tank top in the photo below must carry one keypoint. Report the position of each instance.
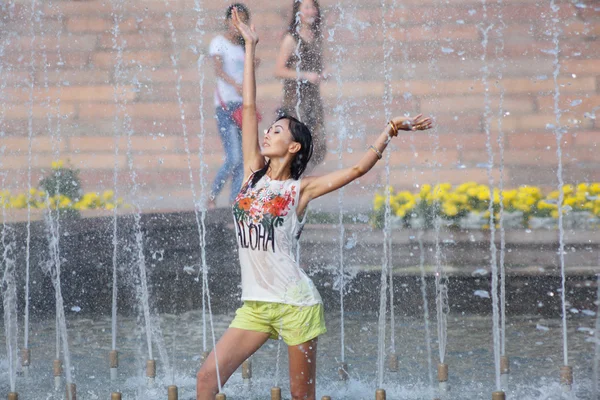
(268, 230)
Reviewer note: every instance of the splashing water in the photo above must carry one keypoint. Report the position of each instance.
(558, 131)
(9, 296)
(32, 71)
(117, 11)
(202, 135)
(386, 261)
(53, 269)
(493, 250)
(425, 312)
(500, 141)
(596, 374)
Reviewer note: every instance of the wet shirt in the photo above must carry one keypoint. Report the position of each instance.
(267, 230)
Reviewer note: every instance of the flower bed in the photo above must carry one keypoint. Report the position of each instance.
(468, 206)
(60, 190)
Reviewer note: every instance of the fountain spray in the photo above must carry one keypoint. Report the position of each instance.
(485, 29)
(504, 360)
(566, 371)
(117, 12)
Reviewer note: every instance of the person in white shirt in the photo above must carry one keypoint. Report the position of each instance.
(227, 52)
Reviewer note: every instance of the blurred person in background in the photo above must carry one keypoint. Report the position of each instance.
(300, 64)
(228, 52)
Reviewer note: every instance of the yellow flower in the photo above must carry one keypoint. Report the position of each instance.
(110, 206)
(445, 186)
(57, 164)
(568, 189)
(543, 205)
(425, 191)
(463, 188)
(19, 202)
(108, 195)
(449, 209)
(595, 188)
(553, 195)
(379, 201)
(554, 214)
(472, 191)
(484, 194)
(401, 212)
(496, 196)
(64, 202)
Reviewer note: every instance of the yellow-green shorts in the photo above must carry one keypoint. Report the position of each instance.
(294, 324)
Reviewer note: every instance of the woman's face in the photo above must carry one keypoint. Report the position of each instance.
(277, 139)
(308, 12)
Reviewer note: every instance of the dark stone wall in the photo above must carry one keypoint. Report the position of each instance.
(172, 258)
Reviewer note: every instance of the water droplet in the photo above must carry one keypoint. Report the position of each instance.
(447, 50)
(549, 51)
(577, 102)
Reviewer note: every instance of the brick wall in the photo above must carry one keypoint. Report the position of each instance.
(63, 56)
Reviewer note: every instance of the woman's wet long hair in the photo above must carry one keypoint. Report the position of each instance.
(300, 134)
(242, 8)
(294, 27)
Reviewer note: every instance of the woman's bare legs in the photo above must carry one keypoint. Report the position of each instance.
(303, 368)
(235, 346)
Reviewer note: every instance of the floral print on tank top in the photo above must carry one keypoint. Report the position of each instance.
(262, 209)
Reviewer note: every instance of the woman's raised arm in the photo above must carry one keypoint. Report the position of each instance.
(253, 159)
(317, 186)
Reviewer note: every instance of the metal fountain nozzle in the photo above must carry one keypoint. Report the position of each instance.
(173, 393)
(275, 393)
(380, 394)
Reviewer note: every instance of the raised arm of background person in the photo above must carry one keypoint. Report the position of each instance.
(313, 187)
(253, 159)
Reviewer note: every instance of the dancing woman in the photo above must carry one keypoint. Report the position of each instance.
(279, 298)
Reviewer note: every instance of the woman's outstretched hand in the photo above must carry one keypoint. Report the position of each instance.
(248, 32)
(418, 123)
